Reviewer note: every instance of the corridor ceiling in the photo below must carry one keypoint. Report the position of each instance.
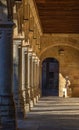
(59, 16)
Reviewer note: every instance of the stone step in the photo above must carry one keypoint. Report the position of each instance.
(52, 113)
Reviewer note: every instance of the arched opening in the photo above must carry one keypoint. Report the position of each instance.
(50, 77)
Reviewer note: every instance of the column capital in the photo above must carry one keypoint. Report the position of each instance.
(33, 56)
(17, 42)
(30, 50)
(25, 43)
(25, 49)
(37, 60)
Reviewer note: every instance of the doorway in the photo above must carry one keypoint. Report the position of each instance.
(50, 77)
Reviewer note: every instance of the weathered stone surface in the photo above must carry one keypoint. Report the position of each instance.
(68, 64)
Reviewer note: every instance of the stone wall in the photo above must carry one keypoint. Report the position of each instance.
(50, 40)
(68, 64)
(27, 24)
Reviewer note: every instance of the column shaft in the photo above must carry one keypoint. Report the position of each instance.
(15, 72)
(35, 80)
(21, 108)
(7, 107)
(31, 80)
(27, 81)
(39, 78)
(16, 44)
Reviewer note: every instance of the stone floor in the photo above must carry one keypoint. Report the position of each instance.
(52, 113)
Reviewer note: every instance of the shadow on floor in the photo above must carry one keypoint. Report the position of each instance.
(55, 116)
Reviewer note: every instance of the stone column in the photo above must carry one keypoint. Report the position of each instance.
(29, 63)
(34, 77)
(24, 71)
(21, 102)
(38, 77)
(31, 78)
(27, 78)
(7, 106)
(16, 64)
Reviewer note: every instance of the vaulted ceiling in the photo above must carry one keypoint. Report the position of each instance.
(59, 16)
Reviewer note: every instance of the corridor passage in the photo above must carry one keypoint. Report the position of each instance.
(52, 113)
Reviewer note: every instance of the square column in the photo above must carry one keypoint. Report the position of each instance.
(16, 76)
(35, 77)
(31, 78)
(25, 80)
(7, 106)
(21, 101)
(38, 77)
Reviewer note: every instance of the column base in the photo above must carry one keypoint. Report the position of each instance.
(31, 104)
(9, 125)
(27, 108)
(39, 95)
(8, 116)
(37, 98)
(20, 114)
(35, 101)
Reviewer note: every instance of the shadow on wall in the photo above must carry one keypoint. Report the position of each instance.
(75, 90)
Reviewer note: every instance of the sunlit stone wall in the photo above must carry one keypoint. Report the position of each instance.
(68, 64)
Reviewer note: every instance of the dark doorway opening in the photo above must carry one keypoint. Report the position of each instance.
(50, 77)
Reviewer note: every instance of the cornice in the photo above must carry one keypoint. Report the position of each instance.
(35, 15)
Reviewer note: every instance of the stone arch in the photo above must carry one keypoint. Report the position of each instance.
(70, 65)
(59, 44)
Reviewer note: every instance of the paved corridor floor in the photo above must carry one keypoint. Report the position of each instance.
(52, 113)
